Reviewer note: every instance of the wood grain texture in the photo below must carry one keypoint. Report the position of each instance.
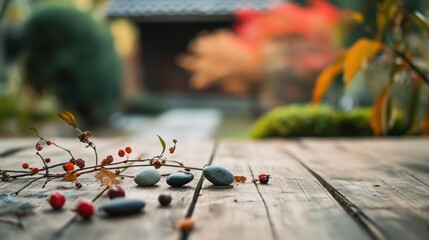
(372, 176)
(293, 206)
(320, 189)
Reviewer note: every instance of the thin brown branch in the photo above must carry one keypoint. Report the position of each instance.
(411, 64)
(28, 184)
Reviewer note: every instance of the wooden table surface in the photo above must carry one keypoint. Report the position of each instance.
(320, 189)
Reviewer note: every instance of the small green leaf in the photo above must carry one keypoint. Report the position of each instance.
(162, 144)
(69, 118)
(421, 21)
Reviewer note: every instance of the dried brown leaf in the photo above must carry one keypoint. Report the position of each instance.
(106, 177)
(241, 179)
(71, 176)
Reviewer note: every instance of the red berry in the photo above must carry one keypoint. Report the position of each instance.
(264, 178)
(121, 153)
(85, 209)
(25, 165)
(48, 142)
(68, 167)
(116, 192)
(47, 160)
(128, 150)
(35, 170)
(57, 200)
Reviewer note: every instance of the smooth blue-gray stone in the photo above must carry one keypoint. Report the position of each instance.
(179, 179)
(147, 177)
(219, 176)
(123, 206)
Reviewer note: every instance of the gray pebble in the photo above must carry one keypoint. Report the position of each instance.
(179, 179)
(123, 206)
(147, 177)
(219, 176)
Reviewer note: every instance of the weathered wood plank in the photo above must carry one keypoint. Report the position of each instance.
(294, 205)
(371, 176)
(13, 145)
(411, 160)
(155, 222)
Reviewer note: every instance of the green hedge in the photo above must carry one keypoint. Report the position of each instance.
(318, 121)
(70, 53)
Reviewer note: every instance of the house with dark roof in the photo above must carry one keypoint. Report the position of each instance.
(167, 26)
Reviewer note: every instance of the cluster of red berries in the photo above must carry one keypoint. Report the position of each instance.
(39, 146)
(83, 208)
(108, 160)
(121, 152)
(34, 170)
(84, 137)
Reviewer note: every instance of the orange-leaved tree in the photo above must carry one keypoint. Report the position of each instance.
(286, 36)
(395, 46)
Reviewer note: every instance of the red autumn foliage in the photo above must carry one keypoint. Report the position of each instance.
(287, 36)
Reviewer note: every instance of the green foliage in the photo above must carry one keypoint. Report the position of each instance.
(296, 121)
(355, 123)
(67, 51)
(319, 121)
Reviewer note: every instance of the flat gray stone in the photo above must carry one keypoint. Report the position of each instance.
(219, 176)
(123, 206)
(147, 177)
(179, 179)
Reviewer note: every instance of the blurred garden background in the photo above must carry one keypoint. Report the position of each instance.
(196, 69)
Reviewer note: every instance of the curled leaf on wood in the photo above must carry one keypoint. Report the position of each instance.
(241, 179)
(71, 176)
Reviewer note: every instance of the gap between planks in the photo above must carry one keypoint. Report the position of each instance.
(369, 226)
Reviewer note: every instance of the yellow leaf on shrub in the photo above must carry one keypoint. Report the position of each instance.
(378, 119)
(363, 50)
(424, 127)
(69, 118)
(326, 77)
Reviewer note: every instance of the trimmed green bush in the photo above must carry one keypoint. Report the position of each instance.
(319, 121)
(296, 121)
(355, 123)
(71, 54)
